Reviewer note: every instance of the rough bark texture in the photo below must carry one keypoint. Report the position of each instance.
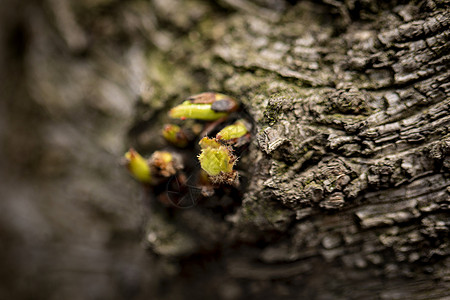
(346, 179)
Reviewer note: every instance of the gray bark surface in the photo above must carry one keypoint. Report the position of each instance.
(345, 184)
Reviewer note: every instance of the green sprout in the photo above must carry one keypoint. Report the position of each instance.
(138, 166)
(188, 110)
(155, 170)
(175, 135)
(217, 161)
(205, 106)
(234, 131)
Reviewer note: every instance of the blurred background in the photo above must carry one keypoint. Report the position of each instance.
(71, 219)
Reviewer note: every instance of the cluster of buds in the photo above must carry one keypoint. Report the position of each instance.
(217, 158)
(154, 170)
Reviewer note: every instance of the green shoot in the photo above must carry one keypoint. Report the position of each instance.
(138, 166)
(188, 110)
(217, 161)
(175, 135)
(235, 131)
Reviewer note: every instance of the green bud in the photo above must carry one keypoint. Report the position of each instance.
(138, 166)
(217, 161)
(188, 110)
(235, 131)
(175, 135)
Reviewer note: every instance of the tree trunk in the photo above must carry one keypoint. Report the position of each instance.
(345, 185)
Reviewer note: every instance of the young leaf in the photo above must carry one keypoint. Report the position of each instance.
(217, 161)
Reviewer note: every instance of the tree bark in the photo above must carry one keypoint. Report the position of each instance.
(345, 185)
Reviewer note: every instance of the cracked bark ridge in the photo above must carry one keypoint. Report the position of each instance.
(350, 160)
